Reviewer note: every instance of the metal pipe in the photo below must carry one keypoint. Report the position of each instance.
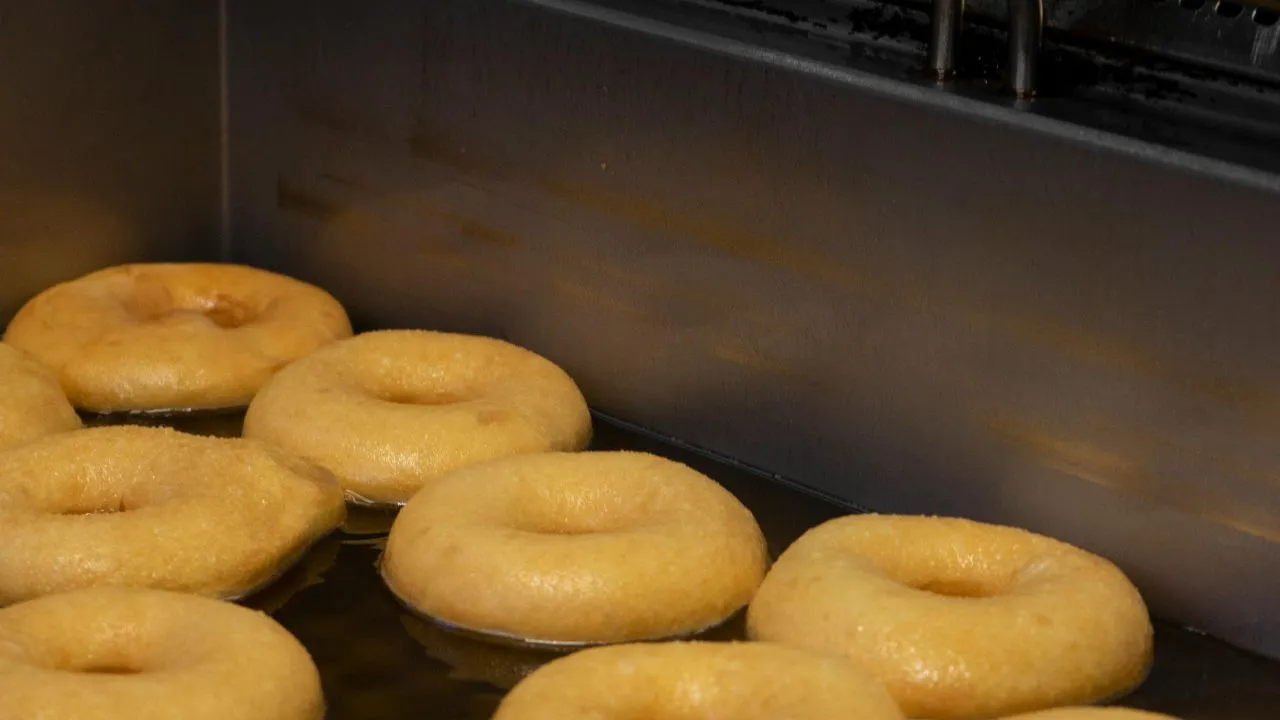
(944, 36)
(1026, 24)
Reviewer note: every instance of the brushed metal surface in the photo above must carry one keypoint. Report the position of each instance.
(909, 300)
(109, 125)
(1237, 36)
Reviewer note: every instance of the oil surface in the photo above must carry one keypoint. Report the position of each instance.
(379, 662)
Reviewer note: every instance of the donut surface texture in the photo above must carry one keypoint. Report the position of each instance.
(698, 680)
(151, 507)
(174, 336)
(959, 619)
(1092, 713)
(389, 411)
(150, 655)
(32, 403)
(597, 547)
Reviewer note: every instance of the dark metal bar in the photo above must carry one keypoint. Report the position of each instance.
(947, 23)
(1026, 23)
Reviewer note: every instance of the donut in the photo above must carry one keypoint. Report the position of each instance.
(1092, 713)
(151, 655)
(959, 619)
(33, 404)
(389, 411)
(575, 548)
(173, 336)
(152, 507)
(697, 680)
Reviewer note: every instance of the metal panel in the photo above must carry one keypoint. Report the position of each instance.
(911, 300)
(109, 118)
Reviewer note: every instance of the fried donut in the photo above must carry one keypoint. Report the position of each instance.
(152, 507)
(1092, 713)
(959, 619)
(177, 336)
(388, 411)
(33, 404)
(151, 655)
(557, 548)
(704, 680)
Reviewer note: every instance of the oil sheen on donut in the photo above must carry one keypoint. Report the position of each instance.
(959, 619)
(564, 548)
(150, 507)
(174, 336)
(387, 412)
(698, 680)
(151, 655)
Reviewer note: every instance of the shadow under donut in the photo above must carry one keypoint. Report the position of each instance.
(474, 660)
(502, 661)
(307, 572)
(224, 423)
(363, 522)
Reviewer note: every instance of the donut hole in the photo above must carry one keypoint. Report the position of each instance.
(224, 312)
(103, 506)
(408, 396)
(946, 568)
(537, 522)
(228, 314)
(546, 526)
(103, 656)
(112, 669)
(91, 513)
(154, 305)
(960, 587)
(581, 510)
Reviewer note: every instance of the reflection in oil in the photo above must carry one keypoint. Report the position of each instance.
(308, 572)
(473, 660)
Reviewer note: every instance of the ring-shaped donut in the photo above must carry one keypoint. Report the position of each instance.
(33, 403)
(575, 548)
(389, 411)
(151, 655)
(697, 680)
(174, 336)
(959, 619)
(151, 507)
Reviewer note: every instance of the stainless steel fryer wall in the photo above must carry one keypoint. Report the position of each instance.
(110, 128)
(907, 300)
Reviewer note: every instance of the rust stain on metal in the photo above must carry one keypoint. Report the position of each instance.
(570, 287)
(1073, 456)
(753, 359)
(1258, 402)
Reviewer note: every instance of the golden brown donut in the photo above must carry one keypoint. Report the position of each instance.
(959, 619)
(1091, 713)
(151, 655)
(152, 507)
(174, 336)
(389, 411)
(698, 680)
(32, 403)
(598, 547)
